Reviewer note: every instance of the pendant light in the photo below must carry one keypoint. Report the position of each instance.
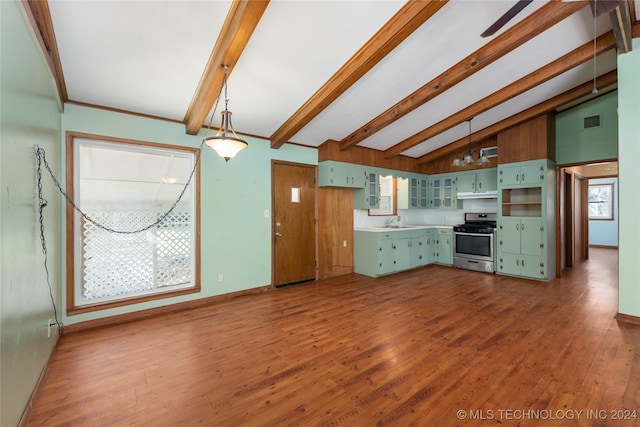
(226, 142)
(466, 159)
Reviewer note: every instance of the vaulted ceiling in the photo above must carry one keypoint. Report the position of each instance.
(400, 77)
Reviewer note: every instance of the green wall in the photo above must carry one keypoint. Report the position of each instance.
(30, 114)
(629, 180)
(235, 234)
(574, 144)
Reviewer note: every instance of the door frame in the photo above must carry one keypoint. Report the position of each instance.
(275, 162)
(564, 172)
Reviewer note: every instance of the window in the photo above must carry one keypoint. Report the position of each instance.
(133, 240)
(601, 201)
(387, 193)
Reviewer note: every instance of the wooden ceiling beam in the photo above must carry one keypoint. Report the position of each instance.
(534, 24)
(621, 22)
(535, 111)
(410, 17)
(553, 69)
(241, 21)
(40, 18)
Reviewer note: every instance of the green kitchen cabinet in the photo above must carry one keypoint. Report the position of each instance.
(427, 244)
(413, 192)
(444, 246)
(369, 196)
(486, 180)
(442, 192)
(522, 247)
(373, 253)
(478, 181)
(340, 174)
(377, 253)
(526, 220)
(523, 173)
(466, 182)
(521, 236)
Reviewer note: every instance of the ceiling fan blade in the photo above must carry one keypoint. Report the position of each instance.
(515, 9)
(598, 7)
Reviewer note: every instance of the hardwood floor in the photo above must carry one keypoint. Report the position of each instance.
(409, 349)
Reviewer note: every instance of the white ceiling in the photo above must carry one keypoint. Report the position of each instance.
(148, 57)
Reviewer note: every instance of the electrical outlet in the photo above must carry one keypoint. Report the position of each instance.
(50, 323)
(344, 243)
(220, 278)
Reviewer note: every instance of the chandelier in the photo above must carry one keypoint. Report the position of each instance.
(466, 159)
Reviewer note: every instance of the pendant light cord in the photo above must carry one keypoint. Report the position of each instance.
(215, 106)
(595, 32)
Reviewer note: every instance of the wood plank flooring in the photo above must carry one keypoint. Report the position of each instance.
(432, 347)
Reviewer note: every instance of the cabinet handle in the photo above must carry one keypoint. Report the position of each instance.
(500, 242)
(523, 263)
(522, 177)
(518, 262)
(480, 185)
(517, 226)
(522, 226)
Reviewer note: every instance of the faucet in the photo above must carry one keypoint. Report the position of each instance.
(389, 222)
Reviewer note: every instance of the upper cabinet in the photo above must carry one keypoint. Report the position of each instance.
(522, 174)
(338, 174)
(478, 183)
(413, 192)
(442, 192)
(371, 195)
(531, 140)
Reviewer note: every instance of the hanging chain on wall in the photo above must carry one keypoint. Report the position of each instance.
(42, 203)
(41, 159)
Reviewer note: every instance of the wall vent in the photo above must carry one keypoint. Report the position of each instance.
(490, 151)
(591, 122)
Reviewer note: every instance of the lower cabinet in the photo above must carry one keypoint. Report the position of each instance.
(522, 247)
(379, 253)
(522, 265)
(444, 246)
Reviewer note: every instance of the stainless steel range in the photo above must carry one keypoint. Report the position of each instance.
(473, 242)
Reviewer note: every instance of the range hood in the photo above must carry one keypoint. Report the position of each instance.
(471, 195)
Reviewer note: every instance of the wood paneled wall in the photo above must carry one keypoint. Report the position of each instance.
(335, 226)
(531, 140)
(445, 164)
(330, 150)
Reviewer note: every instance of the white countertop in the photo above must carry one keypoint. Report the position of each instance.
(382, 228)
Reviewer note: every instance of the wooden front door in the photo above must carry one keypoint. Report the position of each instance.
(294, 223)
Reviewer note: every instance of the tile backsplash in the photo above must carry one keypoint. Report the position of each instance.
(362, 219)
